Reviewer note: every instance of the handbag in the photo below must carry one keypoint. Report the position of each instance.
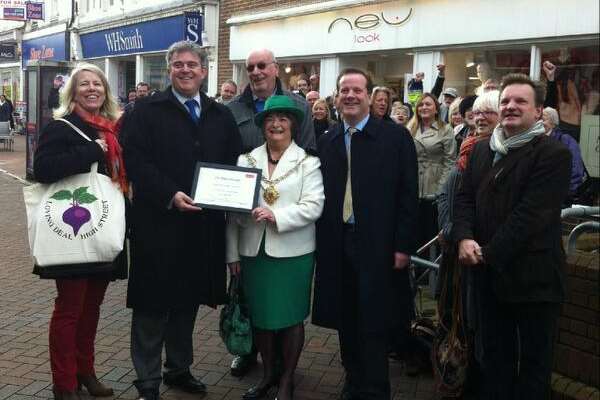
(79, 219)
(450, 353)
(235, 328)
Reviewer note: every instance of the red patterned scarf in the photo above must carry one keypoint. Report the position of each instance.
(465, 151)
(109, 131)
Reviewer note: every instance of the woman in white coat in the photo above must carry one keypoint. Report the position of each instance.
(273, 247)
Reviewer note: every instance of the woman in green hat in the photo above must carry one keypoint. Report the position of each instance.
(273, 247)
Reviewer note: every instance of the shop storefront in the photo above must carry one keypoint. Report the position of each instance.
(10, 71)
(49, 45)
(45, 53)
(476, 41)
(134, 53)
(10, 64)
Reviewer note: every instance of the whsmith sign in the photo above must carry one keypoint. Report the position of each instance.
(144, 37)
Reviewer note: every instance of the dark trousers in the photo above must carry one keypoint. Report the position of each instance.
(150, 330)
(73, 329)
(364, 351)
(515, 349)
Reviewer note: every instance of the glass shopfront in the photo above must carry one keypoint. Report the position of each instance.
(10, 79)
(290, 72)
(468, 70)
(155, 71)
(577, 80)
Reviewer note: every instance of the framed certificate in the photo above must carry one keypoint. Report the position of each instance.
(226, 187)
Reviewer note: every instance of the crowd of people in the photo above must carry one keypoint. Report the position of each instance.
(352, 184)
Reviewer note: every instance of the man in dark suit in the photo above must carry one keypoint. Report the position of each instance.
(508, 229)
(365, 235)
(177, 249)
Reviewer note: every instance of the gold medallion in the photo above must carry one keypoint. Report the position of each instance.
(270, 194)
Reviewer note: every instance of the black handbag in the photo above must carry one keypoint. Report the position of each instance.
(235, 328)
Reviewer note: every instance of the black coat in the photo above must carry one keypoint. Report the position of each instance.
(512, 210)
(62, 152)
(177, 259)
(384, 195)
(6, 112)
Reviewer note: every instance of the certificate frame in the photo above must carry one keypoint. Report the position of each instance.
(200, 183)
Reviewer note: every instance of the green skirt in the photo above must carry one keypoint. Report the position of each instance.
(277, 290)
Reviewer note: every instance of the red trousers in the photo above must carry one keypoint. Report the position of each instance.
(73, 329)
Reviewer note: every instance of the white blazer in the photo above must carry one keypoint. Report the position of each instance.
(300, 204)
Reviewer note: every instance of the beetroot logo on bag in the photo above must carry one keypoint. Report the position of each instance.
(75, 216)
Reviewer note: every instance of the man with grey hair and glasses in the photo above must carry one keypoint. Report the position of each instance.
(177, 249)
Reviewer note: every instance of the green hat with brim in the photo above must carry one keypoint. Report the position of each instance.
(282, 104)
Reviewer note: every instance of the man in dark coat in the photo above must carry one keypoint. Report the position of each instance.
(177, 249)
(365, 235)
(507, 224)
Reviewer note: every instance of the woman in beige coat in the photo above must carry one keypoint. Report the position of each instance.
(436, 154)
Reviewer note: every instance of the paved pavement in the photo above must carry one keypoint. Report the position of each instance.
(26, 303)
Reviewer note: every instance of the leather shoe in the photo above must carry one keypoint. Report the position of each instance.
(185, 382)
(258, 392)
(242, 364)
(94, 386)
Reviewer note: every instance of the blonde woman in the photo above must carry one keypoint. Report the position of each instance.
(436, 155)
(86, 102)
(454, 114)
(381, 102)
(321, 117)
(400, 113)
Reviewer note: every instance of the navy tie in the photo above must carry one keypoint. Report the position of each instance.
(191, 106)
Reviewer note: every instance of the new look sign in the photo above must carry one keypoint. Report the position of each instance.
(144, 37)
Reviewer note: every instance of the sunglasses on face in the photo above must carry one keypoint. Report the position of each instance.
(261, 66)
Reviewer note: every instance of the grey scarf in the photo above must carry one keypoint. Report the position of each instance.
(500, 145)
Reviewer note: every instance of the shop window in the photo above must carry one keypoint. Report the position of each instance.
(468, 71)
(155, 72)
(577, 81)
(291, 72)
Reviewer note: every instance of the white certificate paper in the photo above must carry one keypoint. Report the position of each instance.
(226, 187)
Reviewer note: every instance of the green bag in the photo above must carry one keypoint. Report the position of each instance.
(234, 324)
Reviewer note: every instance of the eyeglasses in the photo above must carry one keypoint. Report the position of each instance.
(181, 65)
(261, 65)
(484, 113)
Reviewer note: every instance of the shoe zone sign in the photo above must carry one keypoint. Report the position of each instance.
(144, 37)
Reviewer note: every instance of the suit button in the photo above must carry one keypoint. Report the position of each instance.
(197, 143)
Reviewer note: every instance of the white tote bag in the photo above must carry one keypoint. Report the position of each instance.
(79, 219)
